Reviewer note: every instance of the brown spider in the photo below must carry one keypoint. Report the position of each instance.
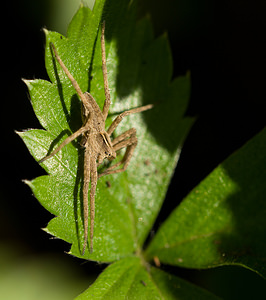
(96, 140)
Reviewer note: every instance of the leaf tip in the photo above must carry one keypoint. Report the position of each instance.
(20, 133)
(147, 17)
(27, 82)
(165, 35)
(46, 229)
(28, 183)
(69, 252)
(45, 31)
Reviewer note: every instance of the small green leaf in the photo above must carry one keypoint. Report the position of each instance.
(222, 221)
(129, 279)
(139, 72)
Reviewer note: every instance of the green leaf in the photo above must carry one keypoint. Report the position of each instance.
(129, 279)
(139, 72)
(222, 221)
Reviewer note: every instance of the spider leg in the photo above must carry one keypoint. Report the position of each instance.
(127, 139)
(105, 79)
(94, 178)
(90, 178)
(65, 142)
(86, 182)
(116, 142)
(120, 117)
(72, 79)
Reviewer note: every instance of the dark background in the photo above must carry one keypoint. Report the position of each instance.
(223, 45)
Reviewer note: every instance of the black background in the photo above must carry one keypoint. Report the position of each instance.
(223, 46)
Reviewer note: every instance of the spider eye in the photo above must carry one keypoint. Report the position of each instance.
(107, 153)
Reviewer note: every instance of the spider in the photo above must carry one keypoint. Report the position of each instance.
(97, 141)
